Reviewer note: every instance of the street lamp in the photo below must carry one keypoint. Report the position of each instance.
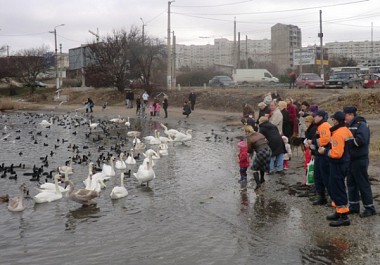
(56, 54)
(143, 27)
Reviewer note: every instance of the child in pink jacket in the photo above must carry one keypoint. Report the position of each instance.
(157, 110)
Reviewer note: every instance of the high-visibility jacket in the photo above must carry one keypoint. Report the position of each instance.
(322, 136)
(338, 150)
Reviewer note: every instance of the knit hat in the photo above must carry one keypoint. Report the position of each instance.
(339, 116)
(313, 108)
(321, 113)
(350, 109)
(242, 144)
(309, 119)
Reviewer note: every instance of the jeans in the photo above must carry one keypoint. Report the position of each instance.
(279, 163)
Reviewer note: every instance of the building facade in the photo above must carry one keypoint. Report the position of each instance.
(284, 38)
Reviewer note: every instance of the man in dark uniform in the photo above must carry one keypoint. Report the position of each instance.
(192, 99)
(357, 180)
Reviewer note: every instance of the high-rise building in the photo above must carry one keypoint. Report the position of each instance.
(284, 38)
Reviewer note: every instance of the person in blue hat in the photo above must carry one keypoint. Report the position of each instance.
(358, 184)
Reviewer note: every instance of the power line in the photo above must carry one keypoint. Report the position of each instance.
(219, 5)
(25, 34)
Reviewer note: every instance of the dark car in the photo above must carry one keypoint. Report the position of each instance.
(371, 81)
(221, 81)
(343, 80)
(36, 84)
(309, 80)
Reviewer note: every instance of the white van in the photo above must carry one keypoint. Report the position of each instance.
(246, 76)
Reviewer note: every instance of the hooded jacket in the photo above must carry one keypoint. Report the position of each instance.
(243, 157)
(359, 146)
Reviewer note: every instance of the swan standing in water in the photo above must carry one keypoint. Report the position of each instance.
(145, 174)
(46, 123)
(120, 164)
(17, 204)
(49, 196)
(82, 196)
(119, 191)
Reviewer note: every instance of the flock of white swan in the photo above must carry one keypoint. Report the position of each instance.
(95, 182)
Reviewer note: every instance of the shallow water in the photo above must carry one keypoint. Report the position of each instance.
(192, 214)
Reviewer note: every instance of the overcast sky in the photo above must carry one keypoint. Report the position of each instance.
(26, 23)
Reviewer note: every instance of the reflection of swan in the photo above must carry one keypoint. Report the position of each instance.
(183, 137)
(119, 191)
(120, 164)
(133, 133)
(46, 123)
(82, 196)
(128, 123)
(170, 132)
(17, 204)
(145, 174)
(130, 159)
(49, 196)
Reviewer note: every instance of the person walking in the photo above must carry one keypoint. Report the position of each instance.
(276, 145)
(138, 105)
(357, 179)
(292, 79)
(165, 105)
(256, 142)
(192, 99)
(321, 162)
(338, 155)
(89, 104)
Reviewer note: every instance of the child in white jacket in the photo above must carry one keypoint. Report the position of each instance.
(288, 154)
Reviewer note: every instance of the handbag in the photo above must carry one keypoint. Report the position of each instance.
(310, 173)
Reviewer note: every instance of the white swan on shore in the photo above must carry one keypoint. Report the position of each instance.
(119, 191)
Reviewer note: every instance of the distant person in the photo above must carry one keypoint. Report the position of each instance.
(145, 97)
(138, 105)
(292, 79)
(151, 109)
(243, 162)
(157, 110)
(264, 110)
(186, 109)
(104, 106)
(192, 99)
(165, 105)
(288, 154)
(89, 104)
(248, 110)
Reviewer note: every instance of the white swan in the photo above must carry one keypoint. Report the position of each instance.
(120, 164)
(130, 159)
(82, 196)
(139, 146)
(151, 152)
(163, 139)
(151, 137)
(133, 133)
(93, 125)
(136, 140)
(94, 182)
(119, 191)
(163, 149)
(170, 132)
(68, 167)
(109, 170)
(51, 186)
(117, 120)
(128, 123)
(17, 204)
(48, 196)
(46, 123)
(145, 174)
(183, 137)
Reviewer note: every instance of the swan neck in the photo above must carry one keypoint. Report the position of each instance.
(122, 180)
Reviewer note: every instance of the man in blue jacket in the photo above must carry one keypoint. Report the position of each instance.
(357, 181)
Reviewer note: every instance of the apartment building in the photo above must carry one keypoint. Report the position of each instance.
(284, 39)
(365, 53)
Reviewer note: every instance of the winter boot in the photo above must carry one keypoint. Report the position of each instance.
(262, 179)
(342, 221)
(333, 217)
(320, 201)
(257, 179)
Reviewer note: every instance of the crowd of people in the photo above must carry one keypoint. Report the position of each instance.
(338, 151)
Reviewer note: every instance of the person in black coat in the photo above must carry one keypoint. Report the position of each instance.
(264, 110)
(165, 105)
(192, 99)
(287, 126)
(275, 143)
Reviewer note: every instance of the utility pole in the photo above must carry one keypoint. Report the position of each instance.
(234, 49)
(174, 61)
(95, 34)
(169, 70)
(372, 63)
(246, 51)
(83, 62)
(60, 65)
(56, 55)
(238, 52)
(143, 29)
(7, 50)
(320, 35)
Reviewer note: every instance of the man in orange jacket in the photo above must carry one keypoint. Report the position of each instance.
(339, 158)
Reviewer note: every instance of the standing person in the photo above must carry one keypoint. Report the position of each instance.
(292, 79)
(339, 159)
(165, 105)
(151, 109)
(128, 98)
(192, 99)
(288, 154)
(256, 142)
(275, 143)
(138, 105)
(357, 180)
(264, 110)
(321, 162)
(311, 129)
(243, 163)
(89, 104)
(301, 118)
(157, 110)
(292, 110)
(145, 97)
(276, 116)
(286, 124)
(186, 109)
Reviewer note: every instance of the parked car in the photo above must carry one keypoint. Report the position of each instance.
(371, 81)
(309, 80)
(221, 81)
(36, 84)
(344, 80)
